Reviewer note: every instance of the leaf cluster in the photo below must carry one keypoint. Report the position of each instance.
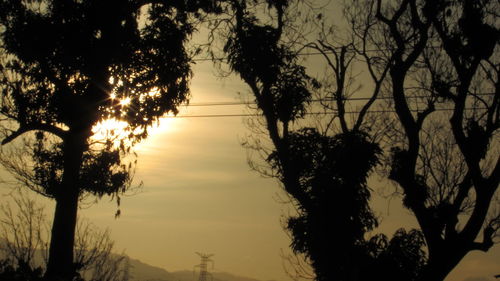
(86, 50)
(332, 174)
(103, 171)
(255, 53)
(400, 258)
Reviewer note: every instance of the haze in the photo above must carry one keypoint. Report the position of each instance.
(199, 195)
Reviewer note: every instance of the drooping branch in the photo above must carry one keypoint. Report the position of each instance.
(35, 127)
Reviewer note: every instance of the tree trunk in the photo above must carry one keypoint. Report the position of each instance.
(60, 265)
(442, 263)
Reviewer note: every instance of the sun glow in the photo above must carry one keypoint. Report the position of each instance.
(125, 101)
(115, 130)
(110, 129)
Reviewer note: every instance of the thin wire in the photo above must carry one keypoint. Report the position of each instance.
(307, 54)
(229, 103)
(307, 113)
(299, 54)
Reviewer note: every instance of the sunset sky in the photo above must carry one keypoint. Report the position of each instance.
(200, 195)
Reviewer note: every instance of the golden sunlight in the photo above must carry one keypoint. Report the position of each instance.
(125, 101)
(110, 129)
(165, 129)
(116, 130)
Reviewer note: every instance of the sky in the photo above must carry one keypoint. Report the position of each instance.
(199, 195)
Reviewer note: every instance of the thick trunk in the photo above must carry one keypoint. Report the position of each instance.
(60, 265)
(436, 274)
(442, 263)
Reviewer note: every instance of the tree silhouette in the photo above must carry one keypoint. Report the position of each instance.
(325, 173)
(334, 215)
(400, 258)
(68, 65)
(447, 164)
(23, 232)
(443, 84)
(24, 237)
(22, 273)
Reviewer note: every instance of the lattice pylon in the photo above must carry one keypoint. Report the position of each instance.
(203, 266)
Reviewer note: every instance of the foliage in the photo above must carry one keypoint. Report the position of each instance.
(324, 173)
(334, 214)
(271, 66)
(90, 57)
(400, 258)
(102, 172)
(94, 61)
(332, 172)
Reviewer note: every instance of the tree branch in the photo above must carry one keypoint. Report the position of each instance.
(35, 127)
(488, 234)
(494, 178)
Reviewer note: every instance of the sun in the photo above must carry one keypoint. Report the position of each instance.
(115, 130)
(125, 102)
(110, 129)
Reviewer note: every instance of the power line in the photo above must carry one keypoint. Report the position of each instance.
(311, 53)
(307, 113)
(299, 54)
(229, 103)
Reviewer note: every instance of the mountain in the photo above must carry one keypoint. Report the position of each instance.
(186, 275)
(140, 271)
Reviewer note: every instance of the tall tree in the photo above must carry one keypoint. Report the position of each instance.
(68, 65)
(324, 172)
(445, 89)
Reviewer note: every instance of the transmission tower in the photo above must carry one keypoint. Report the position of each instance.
(205, 259)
